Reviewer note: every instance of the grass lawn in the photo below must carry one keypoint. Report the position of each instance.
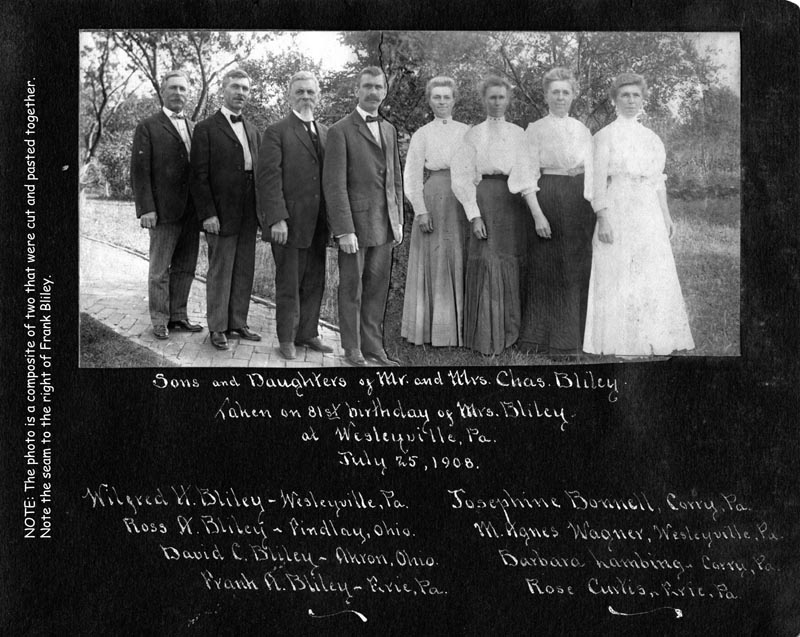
(103, 347)
(706, 250)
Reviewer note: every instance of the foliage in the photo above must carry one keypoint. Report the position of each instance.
(104, 89)
(115, 157)
(697, 119)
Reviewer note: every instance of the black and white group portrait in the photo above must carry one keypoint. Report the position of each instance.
(407, 198)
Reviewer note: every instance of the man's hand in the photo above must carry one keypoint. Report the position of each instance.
(348, 243)
(279, 232)
(148, 220)
(399, 239)
(211, 225)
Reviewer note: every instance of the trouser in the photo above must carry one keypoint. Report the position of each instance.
(173, 259)
(299, 286)
(231, 269)
(363, 289)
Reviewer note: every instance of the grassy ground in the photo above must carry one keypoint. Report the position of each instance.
(706, 250)
(103, 347)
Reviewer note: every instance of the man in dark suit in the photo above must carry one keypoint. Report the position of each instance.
(160, 172)
(291, 206)
(364, 199)
(224, 155)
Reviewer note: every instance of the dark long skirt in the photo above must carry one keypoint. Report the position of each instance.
(491, 291)
(558, 269)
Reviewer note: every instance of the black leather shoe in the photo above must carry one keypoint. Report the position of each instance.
(354, 357)
(218, 340)
(381, 358)
(246, 333)
(315, 344)
(161, 332)
(186, 325)
(288, 351)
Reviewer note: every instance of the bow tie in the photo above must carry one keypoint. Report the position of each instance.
(371, 119)
(236, 118)
(177, 116)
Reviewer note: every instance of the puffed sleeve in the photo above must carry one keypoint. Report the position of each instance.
(525, 173)
(413, 172)
(463, 173)
(602, 154)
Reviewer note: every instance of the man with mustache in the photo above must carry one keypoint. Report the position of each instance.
(224, 155)
(160, 172)
(292, 207)
(364, 198)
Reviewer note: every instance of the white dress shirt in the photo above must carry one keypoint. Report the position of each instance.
(374, 127)
(238, 128)
(490, 148)
(555, 143)
(180, 125)
(303, 118)
(432, 147)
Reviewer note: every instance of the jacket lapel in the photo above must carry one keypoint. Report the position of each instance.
(250, 133)
(166, 123)
(385, 137)
(225, 126)
(302, 134)
(322, 133)
(364, 129)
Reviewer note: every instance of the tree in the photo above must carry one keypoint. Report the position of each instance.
(104, 89)
(204, 55)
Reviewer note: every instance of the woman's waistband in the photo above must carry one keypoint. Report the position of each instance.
(503, 177)
(636, 179)
(562, 172)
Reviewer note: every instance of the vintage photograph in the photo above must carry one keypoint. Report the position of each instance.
(408, 198)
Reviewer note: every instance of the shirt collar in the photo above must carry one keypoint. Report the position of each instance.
(227, 113)
(301, 118)
(364, 113)
(442, 120)
(168, 112)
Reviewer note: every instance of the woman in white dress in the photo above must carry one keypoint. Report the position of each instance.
(555, 177)
(433, 306)
(498, 220)
(635, 305)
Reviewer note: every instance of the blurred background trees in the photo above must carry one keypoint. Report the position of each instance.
(694, 113)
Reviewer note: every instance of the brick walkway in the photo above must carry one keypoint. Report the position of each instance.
(113, 290)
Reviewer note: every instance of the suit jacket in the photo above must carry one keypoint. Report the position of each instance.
(363, 181)
(289, 180)
(160, 169)
(219, 183)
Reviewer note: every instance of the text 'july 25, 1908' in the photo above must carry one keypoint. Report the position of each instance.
(37, 313)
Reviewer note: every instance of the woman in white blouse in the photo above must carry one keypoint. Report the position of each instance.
(498, 220)
(555, 176)
(635, 303)
(433, 307)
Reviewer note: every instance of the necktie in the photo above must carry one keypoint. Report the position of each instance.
(236, 118)
(182, 130)
(313, 135)
(371, 119)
